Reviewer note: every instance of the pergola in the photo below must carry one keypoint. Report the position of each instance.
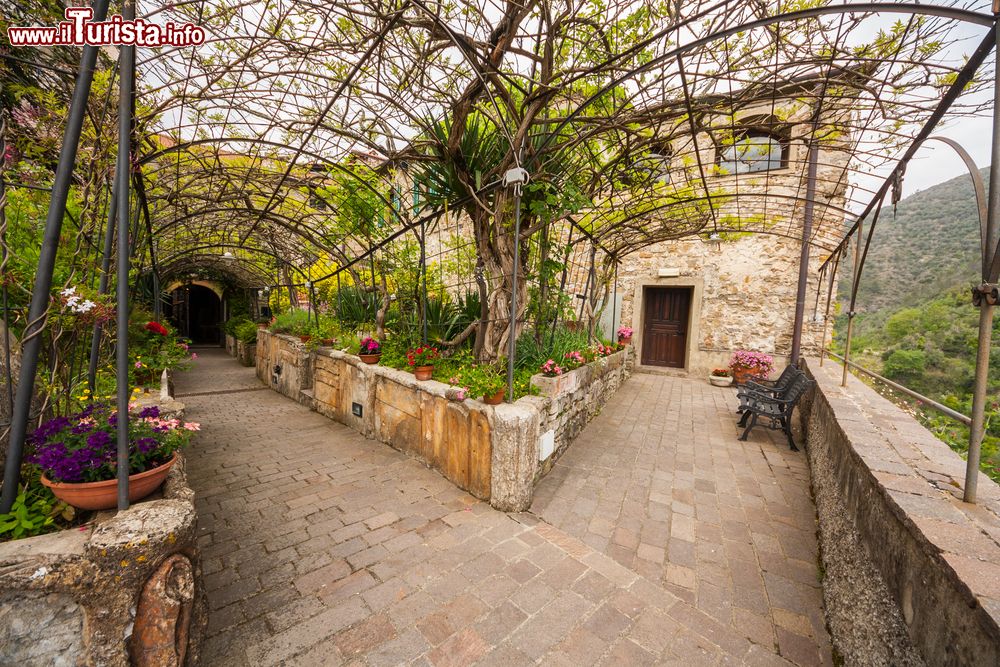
(527, 118)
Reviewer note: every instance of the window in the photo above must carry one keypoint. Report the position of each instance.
(753, 151)
(654, 167)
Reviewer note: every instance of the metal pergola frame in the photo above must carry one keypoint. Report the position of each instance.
(488, 84)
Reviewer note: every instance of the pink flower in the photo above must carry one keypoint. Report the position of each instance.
(138, 364)
(194, 355)
(460, 394)
(192, 426)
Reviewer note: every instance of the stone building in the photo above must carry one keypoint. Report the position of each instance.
(693, 301)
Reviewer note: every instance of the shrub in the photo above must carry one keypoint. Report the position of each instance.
(234, 323)
(296, 322)
(246, 332)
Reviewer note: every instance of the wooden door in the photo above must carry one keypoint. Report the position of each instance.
(665, 326)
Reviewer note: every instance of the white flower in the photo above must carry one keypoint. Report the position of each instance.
(69, 291)
(73, 301)
(86, 306)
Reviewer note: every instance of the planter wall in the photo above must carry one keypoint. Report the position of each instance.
(231, 345)
(110, 593)
(490, 451)
(246, 353)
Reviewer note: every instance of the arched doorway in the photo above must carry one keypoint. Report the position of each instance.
(197, 313)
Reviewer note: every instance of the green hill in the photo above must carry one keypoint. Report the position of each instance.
(916, 324)
(928, 245)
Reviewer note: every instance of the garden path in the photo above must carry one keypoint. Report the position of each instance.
(321, 547)
(660, 483)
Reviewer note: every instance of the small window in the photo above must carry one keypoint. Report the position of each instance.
(752, 152)
(654, 166)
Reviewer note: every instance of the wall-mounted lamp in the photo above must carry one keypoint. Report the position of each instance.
(228, 256)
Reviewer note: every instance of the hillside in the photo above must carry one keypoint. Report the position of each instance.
(916, 323)
(929, 246)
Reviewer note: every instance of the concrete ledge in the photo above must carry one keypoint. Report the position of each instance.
(886, 483)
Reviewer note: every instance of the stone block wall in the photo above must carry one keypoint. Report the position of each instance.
(123, 590)
(493, 452)
(573, 399)
(911, 573)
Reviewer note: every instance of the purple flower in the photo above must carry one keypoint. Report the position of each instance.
(152, 411)
(98, 439)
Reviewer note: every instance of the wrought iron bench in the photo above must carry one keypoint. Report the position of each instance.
(766, 387)
(777, 408)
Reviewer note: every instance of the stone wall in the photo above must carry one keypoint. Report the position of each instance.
(493, 452)
(121, 590)
(911, 573)
(573, 399)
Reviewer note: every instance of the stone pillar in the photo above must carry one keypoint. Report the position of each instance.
(514, 430)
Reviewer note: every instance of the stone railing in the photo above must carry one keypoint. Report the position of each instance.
(122, 590)
(911, 572)
(493, 452)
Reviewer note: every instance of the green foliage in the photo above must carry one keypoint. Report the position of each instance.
(233, 323)
(355, 307)
(246, 332)
(35, 511)
(531, 354)
(295, 322)
(905, 366)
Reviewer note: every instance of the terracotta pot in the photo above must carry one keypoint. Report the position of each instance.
(104, 495)
(329, 342)
(741, 375)
(495, 399)
(625, 340)
(305, 339)
(721, 380)
(262, 325)
(370, 358)
(423, 372)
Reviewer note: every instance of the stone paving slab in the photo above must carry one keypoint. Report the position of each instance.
(323, 548)
(660, 483)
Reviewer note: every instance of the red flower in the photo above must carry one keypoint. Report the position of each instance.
(156, 328)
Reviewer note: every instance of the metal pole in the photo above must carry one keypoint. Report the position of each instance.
(986, 308)
(8, 373)
(512, 331)
(102, 286)
(46, 263)
(850, 314)
(614, 308)
(123, 168)
(807, 225)
(157, 306)
(423, 279)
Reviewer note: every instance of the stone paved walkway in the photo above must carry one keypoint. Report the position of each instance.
(660, 483)
(323, 548)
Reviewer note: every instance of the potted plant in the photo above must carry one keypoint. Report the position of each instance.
(421, 360)
(370, 350)
(747, 365)
(78, 454)
(721, 377)
(624, 335)
(486, 380)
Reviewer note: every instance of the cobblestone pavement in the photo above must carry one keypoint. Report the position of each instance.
(660, 483)
(322, 548)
